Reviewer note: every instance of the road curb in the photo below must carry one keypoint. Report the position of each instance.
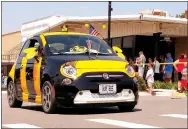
(160, 92)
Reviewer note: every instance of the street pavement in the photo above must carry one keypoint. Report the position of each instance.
(151, 112)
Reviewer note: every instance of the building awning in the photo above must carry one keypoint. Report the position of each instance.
(36, 27)
(129, 18)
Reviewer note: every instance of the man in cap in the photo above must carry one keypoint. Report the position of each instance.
(168, 70)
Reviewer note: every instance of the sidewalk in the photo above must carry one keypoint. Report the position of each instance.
(161, 92)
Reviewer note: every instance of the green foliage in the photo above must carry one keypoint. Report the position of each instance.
(141, 84)
(156, 85)
(182, 15)
(165, 85)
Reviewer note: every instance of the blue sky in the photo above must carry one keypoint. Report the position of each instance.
(16, 13)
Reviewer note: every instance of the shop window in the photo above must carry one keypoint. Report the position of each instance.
(116, 42)
(127, 46)
(127, 42)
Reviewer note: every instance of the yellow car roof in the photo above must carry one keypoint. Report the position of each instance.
(63, 33)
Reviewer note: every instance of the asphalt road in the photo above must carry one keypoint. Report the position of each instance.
(151, 112)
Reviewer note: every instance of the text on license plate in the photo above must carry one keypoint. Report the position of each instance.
(107, 88)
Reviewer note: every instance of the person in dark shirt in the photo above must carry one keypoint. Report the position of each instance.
(161, 69)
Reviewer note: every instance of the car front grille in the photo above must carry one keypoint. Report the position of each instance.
(94, 95)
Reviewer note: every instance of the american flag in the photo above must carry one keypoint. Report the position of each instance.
(93, 31)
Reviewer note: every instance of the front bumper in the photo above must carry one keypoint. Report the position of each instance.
(88, 85)
(86, 97)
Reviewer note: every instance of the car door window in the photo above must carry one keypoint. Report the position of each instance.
(26, 45)
(34, 43)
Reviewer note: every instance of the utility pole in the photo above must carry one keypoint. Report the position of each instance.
(109, 22)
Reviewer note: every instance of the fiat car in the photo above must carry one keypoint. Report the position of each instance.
(71, 70)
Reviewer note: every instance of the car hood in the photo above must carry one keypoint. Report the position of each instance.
(84, 62)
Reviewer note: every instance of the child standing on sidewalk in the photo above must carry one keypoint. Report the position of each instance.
(150, 78)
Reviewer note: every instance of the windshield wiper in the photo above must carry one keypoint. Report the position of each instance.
(66, 53)
(103, 54)
(59, 53)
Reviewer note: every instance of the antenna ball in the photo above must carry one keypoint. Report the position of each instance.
(104, 26)
(87, 25)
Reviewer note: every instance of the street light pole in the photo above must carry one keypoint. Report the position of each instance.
(109, 22)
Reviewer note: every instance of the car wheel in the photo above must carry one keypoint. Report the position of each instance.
(11, 96)
(48, 98)
(126, 108)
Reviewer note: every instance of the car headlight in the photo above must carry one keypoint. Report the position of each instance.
(130, 70)
(69, 71)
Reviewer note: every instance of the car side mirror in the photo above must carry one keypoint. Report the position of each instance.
(118, 51)
(30, 52)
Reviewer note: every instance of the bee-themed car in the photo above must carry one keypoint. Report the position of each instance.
(71, 70)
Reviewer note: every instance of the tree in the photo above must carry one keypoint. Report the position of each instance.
(182, 15)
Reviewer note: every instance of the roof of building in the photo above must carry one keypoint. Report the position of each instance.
(142, 17)
(11, 33)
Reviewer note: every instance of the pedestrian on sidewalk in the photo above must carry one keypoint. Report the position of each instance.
(184, 80)
(179, 66)
(131, 63)
(168, 70)
(150, 78)
(142, 62)
(156, 65)
(161, 60)
(5, 82)
(150, 61)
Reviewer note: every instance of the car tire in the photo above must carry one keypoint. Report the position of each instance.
(12, 97)
(126, 108)
(48, 98)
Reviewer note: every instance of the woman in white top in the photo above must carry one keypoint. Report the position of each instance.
(150, 78)
(156, 69)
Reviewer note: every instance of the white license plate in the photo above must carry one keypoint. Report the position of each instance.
(107, 88)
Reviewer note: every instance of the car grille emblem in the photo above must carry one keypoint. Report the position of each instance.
(105, 76)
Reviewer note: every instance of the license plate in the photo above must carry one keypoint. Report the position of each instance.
(107, 88)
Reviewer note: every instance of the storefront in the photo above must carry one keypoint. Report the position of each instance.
(6, 67)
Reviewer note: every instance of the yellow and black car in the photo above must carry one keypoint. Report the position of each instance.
(71, 69)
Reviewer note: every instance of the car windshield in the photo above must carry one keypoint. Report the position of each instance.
(77, 44)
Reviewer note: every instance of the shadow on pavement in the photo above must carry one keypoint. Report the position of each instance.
(80, 111)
